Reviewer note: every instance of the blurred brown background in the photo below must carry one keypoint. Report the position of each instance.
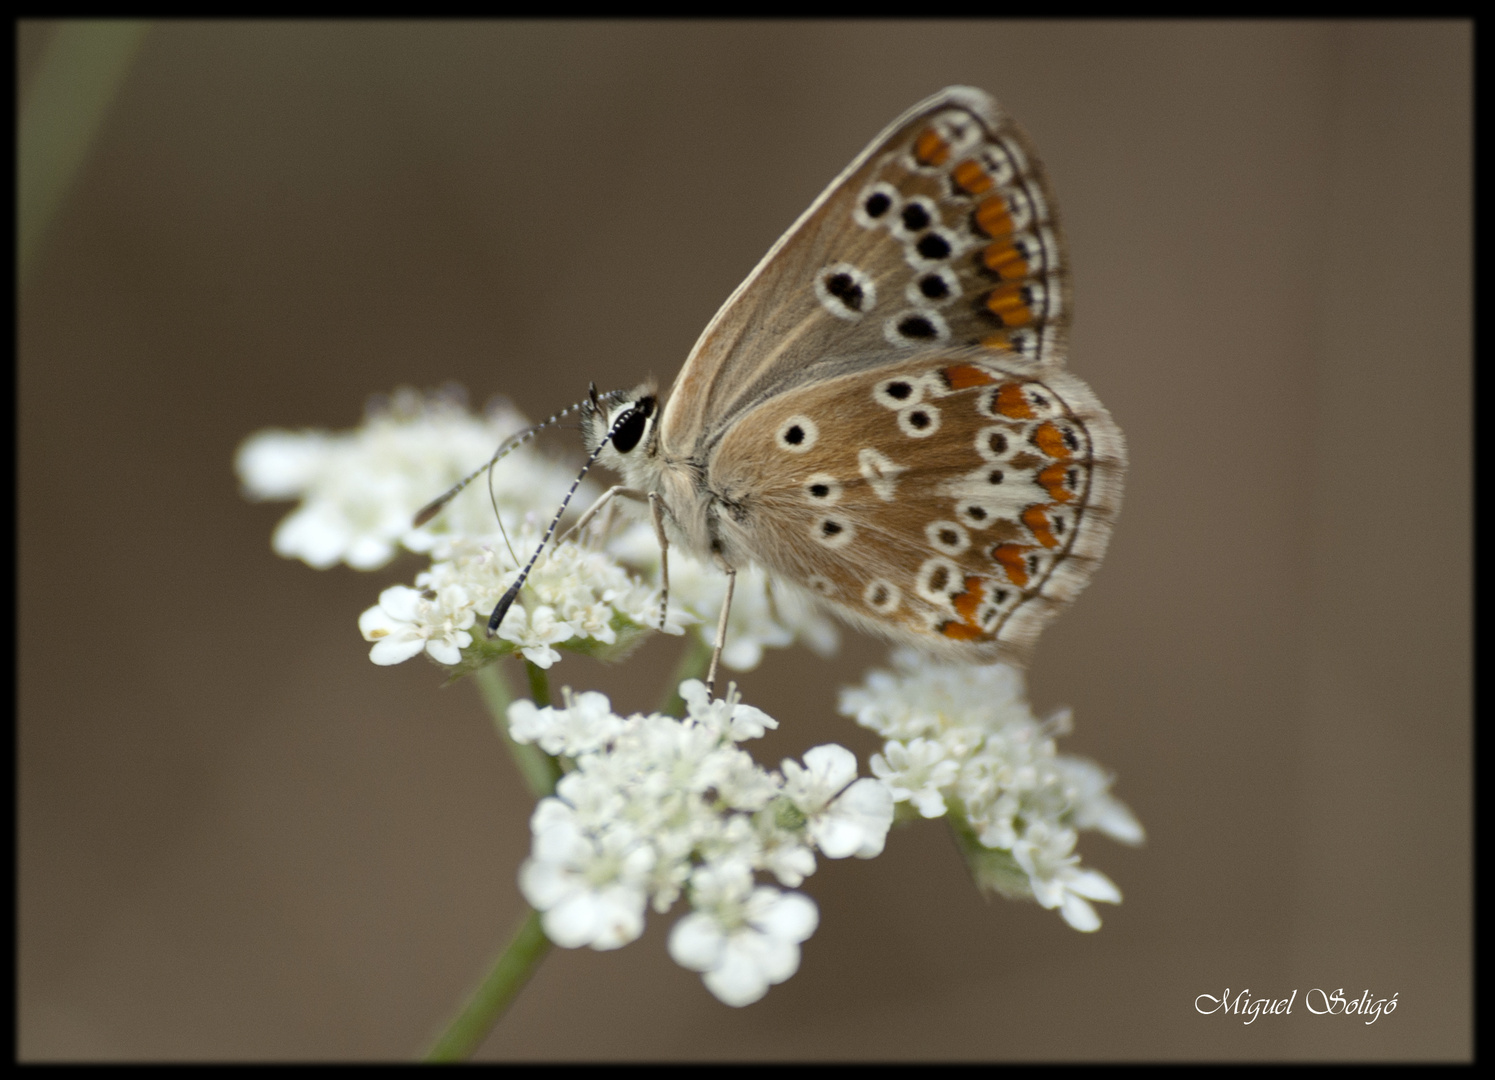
(240, 839)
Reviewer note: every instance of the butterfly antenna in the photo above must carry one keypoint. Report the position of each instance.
(512, 592)
(435, 506)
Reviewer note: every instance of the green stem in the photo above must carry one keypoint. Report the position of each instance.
(508, 975)
(539, 684)
(539, 769)
(694, 662)
(76, 80)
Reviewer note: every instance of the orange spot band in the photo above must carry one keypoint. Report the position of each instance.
(1050, 440)
(965, 376)
(959, 631)
(967, 602)
(1037, 520)
(993, 218)
(1010, 558)
(1055, 480)
(971, 178)
(930, 149)
(1013, 403)
(1005, 260)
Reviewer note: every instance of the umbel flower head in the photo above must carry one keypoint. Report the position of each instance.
(962, 742)
(654, 808)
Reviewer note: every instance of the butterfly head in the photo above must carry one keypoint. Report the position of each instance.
(620, 424)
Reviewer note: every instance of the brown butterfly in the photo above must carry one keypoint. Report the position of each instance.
(880, 413)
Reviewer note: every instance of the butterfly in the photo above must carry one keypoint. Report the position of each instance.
(880, 414)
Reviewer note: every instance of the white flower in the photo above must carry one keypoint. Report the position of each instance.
(360, 488)
(743, 939)
(724, 716)
(1046, 855)
(586, 724)
(845, 816)
(405, 623)
(1089, 788)
(591, 888)
(917, 772)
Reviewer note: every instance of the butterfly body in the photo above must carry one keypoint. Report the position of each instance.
(881, 415)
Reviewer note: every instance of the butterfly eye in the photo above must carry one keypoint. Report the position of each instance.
(631, 428)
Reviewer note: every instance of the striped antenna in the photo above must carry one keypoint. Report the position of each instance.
(512, 593)
(434, 507)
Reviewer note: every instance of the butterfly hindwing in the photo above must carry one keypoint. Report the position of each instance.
(957, 498)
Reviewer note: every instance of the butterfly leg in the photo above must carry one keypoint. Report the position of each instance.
(721, 625)
(604, 500)
(656, 512)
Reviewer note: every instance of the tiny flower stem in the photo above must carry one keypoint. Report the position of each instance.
(539, 769)
(693, 664)
(539, 684)
(508, 975)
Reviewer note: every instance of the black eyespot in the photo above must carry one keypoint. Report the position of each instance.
(977, 512)
(631, 429)
(939, 579)
(844, 288)
(830, 528)
(877, 204)
(997, 442)
(916, 326)
(933, 246)
(949, 537)
(1058, 524)
(879, 596)
(994, 477)
(920, 419)
(1071, 440)
(1000, 596)
(820, 491)
(915, 218)
(899, 390)
(934, 287)
(795, 435)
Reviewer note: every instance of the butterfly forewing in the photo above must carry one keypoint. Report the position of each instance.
(941, 233)
(957, 498)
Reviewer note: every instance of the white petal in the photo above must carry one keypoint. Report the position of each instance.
(620, 916)
(738, 980)
(545, 884)
(1094, 885)
(791, 916)
(1079, 914)
(573, 922)
(401, 602)
(444, 651)
(833, 766)
(750, 723)
(697, 942)
(395, 650)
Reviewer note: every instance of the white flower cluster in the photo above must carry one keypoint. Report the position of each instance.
(963, 741)
(653, 807)
(574, 597)
(359, 489)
